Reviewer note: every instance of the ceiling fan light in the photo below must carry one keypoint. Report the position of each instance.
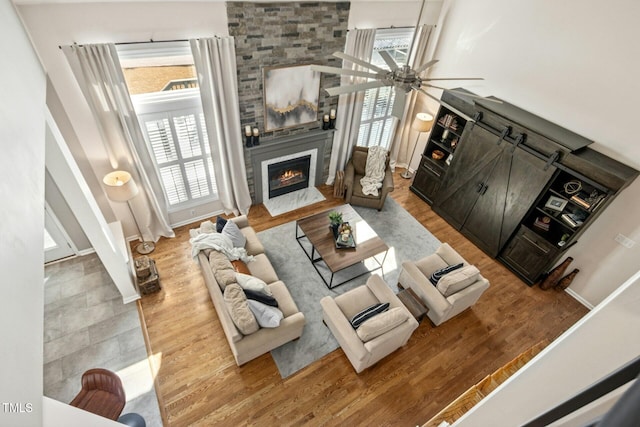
(422, 122)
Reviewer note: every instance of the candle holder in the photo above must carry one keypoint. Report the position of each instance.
(255, 139)
(332, 123)
(248, 141)
(325, 122)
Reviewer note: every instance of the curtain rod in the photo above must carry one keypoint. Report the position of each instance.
(148, 41)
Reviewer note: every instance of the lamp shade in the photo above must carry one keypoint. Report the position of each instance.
(119, 186)
(422, 122)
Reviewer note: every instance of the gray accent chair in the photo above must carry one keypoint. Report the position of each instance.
(338, 311)
(452, 295)
(355, 170)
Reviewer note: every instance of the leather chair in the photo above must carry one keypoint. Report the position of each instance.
(354, 170)
(101, 394)
(337, 313)
(454, 293)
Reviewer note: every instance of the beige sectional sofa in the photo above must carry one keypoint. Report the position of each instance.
(248, 347)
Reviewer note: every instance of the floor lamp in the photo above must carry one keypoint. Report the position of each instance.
(422, 123)
(121, 188)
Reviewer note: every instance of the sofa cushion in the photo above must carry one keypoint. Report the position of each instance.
(207, 227)
(240, 267)
(382, 323)
(286, 304)
(219, 261)
(239, 310)
(354, 301)
(368, 313)
(436, 275)
(252, 283)
(261, 267)
(457, 280)
(260, 297)
(266, 315)
(253, 245)
(232, 231)
(220, 223)
(225, 277)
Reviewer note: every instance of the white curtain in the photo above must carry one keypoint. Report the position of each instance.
(98, 72)
(359, 44)
(215, 61)
(405, 137)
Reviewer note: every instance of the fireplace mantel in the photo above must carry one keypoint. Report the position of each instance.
(283, 146)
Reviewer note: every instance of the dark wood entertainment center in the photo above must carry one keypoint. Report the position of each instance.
(521, 188)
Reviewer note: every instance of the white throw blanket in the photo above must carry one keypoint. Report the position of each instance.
(374, 171)
(220, 243)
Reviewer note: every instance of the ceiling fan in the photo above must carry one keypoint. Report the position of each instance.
(401, 77)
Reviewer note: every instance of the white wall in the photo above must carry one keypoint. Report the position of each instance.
(53, 25)
(383, 14)
(600, 343)
(22, 96)
(571, 62)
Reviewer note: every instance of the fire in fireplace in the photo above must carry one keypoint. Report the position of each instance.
(288, 176)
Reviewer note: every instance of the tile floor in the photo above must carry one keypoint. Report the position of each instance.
(86, 326)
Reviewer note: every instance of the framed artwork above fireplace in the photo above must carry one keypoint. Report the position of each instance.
(291, 95)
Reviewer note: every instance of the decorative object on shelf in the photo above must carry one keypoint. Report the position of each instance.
(437, 155)
(572, 187)
(565, 282)
(332, 119)
(291, 95)
(563, 239)
(325, 122)
(449, 158)
(556, 203)
(248, 133)
(554, 275)
(574, 219)
(120, 187)
(422, 123)
(454, 144)
(255, 139)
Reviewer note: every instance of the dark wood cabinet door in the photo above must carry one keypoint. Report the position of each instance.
(427, 181)
(472, 164)
(512, 187)
(528, 254)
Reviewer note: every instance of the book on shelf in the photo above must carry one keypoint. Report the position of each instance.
(573, 219)
(542, 223)
(588, 201)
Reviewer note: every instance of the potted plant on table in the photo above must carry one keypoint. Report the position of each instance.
(335, 220)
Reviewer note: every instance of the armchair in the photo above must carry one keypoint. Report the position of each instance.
(338, 311)
(102, 394)
(354, 170)
(452, 295)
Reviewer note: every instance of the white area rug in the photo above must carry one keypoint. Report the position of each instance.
(292, 201)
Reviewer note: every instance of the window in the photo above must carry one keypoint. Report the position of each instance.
(164, 90)
(377, 124)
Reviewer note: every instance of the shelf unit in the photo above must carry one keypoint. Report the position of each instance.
(445, 135)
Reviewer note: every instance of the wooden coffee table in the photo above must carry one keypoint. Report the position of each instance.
(316, 230)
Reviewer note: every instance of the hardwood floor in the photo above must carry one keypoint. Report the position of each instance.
(198, 382)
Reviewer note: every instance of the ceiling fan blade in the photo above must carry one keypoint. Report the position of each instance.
(332, 91)
(452, 78)
(441, 102)
(334, 70)
(399, 103)
(388, 59)
(359, 62)
(426, 65)
(464, 93)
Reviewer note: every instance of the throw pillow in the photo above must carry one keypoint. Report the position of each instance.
(240, 267)
(224, 277)
(368, 313)
(219, 261)
(252, 283)
(267, 316)
(439, 273)
(382, 323)
(207, 227)
(220, 223)
(260, 297)
(239, 310)
(458, 280)
(232, 231)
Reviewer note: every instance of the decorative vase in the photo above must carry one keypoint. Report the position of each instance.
(566, 280)
(249, 141)
(554, 275)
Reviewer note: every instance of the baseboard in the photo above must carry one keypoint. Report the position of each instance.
(196, 219)
(86, 252)
(130, 299)
(579, 299)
